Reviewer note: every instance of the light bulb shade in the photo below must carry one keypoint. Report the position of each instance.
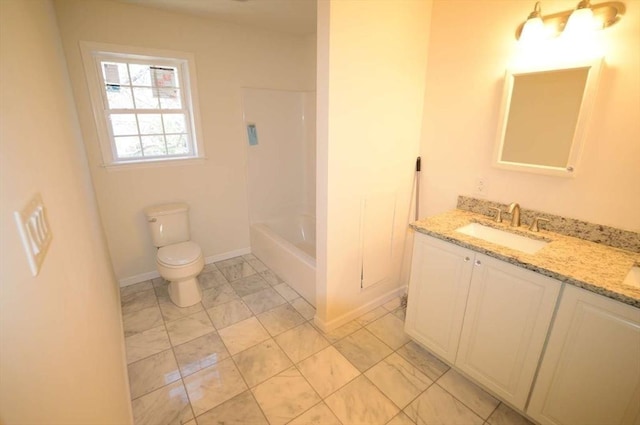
(533, 30)
(581, 22)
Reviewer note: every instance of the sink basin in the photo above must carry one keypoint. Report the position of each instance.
(500, 237)
(633, 277)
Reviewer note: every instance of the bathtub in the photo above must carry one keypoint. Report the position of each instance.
(288, 247)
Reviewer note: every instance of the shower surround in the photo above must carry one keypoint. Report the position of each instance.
(281, 175)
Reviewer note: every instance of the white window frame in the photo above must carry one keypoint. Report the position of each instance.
(94, 53)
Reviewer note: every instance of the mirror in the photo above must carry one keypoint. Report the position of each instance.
(543, 118)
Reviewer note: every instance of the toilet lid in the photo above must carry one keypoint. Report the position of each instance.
(179, 254)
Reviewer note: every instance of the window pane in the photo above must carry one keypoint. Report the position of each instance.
(145, 98)
(128, 147)
(119, 97)
(169, 98)
(124, 124)
(147, 114)
(115, 73)
(140, 75)
(150, 124)
(154, 146)
(174, 123)
(177, 144)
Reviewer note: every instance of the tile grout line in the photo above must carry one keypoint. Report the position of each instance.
(293, 364)
(231, 357)
(271, 337)
(155, 389)
(172, 348)
(360, 373)
(172, 352)
(175, 358)
(312, 389)
(462, 402)
(417, 397)
(195, 418)
(182, 378)
(331, 343)
(493, 411)
(125, 337)
(433, 381)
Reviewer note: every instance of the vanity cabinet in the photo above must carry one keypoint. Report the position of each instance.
(487, 317)
(509, 310)
(590, 373)
(440, 279)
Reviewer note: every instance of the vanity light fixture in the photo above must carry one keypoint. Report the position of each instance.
(533, 28)
(582, 20)
(591, 16)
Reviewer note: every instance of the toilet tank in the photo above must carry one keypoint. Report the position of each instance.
(169, 223)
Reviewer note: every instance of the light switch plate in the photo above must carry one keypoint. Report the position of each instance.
(34, 231)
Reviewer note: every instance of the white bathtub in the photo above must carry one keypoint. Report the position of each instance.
(288, 247)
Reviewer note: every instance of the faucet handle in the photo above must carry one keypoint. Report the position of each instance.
(498, 217)
(536, 222)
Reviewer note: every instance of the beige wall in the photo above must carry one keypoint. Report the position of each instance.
(61, 337)
(471, 43)
(371, 68)
(228, 57)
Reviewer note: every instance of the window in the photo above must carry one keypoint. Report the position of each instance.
(143, 104)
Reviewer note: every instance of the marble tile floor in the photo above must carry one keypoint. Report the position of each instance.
(250, 354)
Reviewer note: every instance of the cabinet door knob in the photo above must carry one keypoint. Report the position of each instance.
(467, 258)
(478, 262)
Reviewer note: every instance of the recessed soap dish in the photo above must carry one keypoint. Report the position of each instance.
(34, 231)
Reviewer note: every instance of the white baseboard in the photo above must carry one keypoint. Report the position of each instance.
(350, 315)
(131, 280)
(227, 255)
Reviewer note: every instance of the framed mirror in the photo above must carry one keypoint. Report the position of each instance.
(544, 116)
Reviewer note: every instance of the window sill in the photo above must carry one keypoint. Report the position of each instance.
(171, 162)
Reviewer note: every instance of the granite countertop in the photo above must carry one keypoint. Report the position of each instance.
(592, 266)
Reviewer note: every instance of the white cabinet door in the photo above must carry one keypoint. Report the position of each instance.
(506, 322)
(590, 373)
(438, 287)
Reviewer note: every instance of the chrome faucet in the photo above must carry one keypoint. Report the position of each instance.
(514, 210)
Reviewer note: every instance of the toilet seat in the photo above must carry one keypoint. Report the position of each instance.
(179, 254)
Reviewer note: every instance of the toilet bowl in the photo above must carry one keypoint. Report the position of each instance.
(178, 259)
(180, 264)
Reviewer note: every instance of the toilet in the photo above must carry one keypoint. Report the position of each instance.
(179, 260)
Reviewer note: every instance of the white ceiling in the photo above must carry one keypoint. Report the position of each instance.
(291, 16)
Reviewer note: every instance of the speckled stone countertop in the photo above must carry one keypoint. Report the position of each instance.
(617, 238)
(592, 266)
